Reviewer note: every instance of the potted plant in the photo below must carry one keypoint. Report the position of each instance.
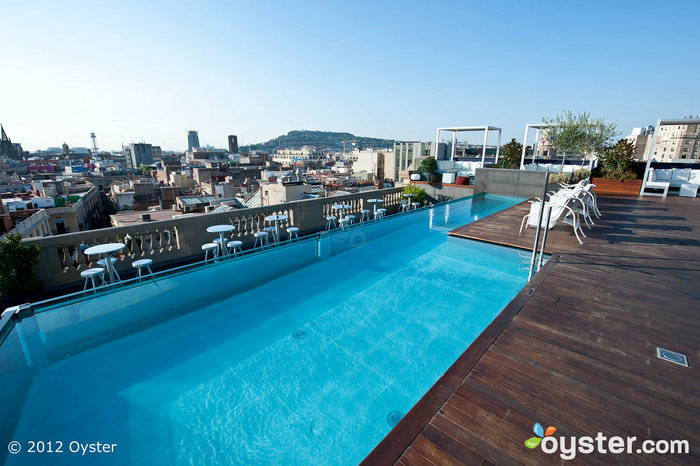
(579, 133)
(17, 277)
(619, 177)
(419, 192)
(429, 166)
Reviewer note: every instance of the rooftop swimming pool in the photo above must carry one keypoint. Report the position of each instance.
(307, 353)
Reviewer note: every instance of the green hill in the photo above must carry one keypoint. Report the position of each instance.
(322, 140)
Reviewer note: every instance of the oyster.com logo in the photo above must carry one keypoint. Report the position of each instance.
(534, 442)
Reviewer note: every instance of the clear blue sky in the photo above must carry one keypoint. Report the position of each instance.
(150, 71)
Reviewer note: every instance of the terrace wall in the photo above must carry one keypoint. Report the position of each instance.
(169, 242)
(504, 182)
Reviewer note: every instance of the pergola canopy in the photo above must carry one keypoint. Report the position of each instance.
(459, 129)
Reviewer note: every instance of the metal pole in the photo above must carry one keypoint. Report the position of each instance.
(649, 157)
(522, 157)
(498, 146)
(437, 141)
(539, 225)
(534, 145)
(544, 237)
(483, 152)
(454, 142)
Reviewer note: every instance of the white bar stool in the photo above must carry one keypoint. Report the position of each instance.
(262, 237)
(140, 264)
(293, 233)
(234, 247)
(91, 274)
(113, 260)
(343, 222)
(351, 219)
(380, 214)
(330, 222)
(207, 248)
(364, 217)
(271, 233)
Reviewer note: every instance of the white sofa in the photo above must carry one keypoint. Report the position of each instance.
(458, 168)
(551, 167)
(685, 179)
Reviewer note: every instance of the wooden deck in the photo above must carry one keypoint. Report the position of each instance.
(576, 348)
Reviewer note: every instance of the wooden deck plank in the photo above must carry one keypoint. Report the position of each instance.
(576, 347)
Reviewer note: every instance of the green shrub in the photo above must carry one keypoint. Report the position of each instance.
(419, 192)
(428, 165)
(619, 160)
(17, 263)
(510, 155)
(557, 178)
(581, 174)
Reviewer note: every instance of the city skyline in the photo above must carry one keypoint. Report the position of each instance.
(392, 70)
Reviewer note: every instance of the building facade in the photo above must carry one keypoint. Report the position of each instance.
(192, 140)
(232, 144)
(303, 154)
(679, 140)
(138, 154)
(641, 139)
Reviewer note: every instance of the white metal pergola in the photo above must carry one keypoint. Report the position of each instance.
(675, 121)
(538, 127)
(459, 129)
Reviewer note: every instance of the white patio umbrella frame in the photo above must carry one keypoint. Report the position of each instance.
(459, 129)
(538, 127)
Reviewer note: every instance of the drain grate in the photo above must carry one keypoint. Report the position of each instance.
(299, 334)
(393, 418)
(672, 356)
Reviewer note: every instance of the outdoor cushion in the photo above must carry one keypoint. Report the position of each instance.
(680, 174)
(652, 175)
(446, 165)
(664, 174)
(694, 176)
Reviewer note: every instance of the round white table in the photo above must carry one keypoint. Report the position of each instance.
(341, 208)
(105, 250)
(221, 230)
(375, 202)
(276, 219)
(410, 197)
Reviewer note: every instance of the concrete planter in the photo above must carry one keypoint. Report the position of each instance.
(611, 187)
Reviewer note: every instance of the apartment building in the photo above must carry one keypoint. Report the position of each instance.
(678, 139)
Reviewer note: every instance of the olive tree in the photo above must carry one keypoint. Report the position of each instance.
(579, 133)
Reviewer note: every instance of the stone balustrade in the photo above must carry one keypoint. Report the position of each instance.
(179, 240)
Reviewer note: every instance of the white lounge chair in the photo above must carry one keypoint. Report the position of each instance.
(562, 212)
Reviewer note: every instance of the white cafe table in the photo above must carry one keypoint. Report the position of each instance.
(276, 219)
(105, 250)
(221, 230)
(341, 208)
(374, 203)
(410, 197)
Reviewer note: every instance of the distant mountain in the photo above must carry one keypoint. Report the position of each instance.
(322, 140)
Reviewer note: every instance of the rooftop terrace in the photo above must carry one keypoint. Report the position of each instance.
(576, 348)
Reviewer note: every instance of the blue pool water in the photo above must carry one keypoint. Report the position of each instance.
(313, 366)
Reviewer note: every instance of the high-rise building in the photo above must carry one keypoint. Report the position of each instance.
(192, 140)
(138, 154)
(233, 144)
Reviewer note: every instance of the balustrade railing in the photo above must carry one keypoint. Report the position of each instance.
(62, 257)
